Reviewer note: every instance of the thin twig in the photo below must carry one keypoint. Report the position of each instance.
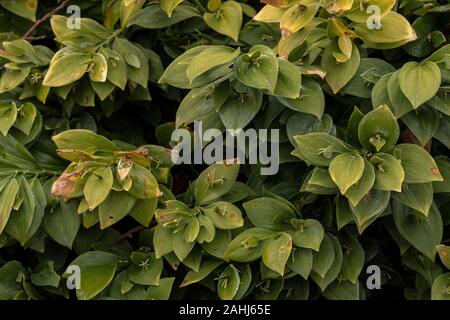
(129, 233)
(37, 38)
(44, 18)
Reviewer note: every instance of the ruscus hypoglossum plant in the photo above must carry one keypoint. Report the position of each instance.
(93, 205)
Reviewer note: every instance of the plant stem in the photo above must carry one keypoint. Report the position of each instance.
(44, 18)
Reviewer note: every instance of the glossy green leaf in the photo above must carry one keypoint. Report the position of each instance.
(97, 271)
(258, 68)
(389, 173)
(423, 234)
(346, 169)
(226, 20)
(379, 130)
(419, 82)
(277, 252)
(417, 163)
(339, 73)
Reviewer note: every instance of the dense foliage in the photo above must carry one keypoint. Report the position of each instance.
(358, 90)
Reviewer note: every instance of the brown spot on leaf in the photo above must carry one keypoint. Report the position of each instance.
(31, 4)
(285, 33)
(63, 186)
(435, 171)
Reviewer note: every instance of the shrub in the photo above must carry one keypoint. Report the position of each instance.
(98, 191)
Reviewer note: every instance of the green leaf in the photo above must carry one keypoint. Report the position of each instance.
(420, 82)
(8, 115)
(444, 254)
(346, 169)
(89, 35)
(309, 233)
(423, 122)
(371, 206)
(66, 68)
(311, 99)
(297, 16)
(395, 32)
(301, 262)
(418, 165)
(226, 20)
(439, 290)
(62, 223)
(219, 244)
(215, 181)
(245, 280)
(176, 73)
(357, 191)
(181, 247)
(359, 12)
(99, 70)
(339, 73)
(116, 206)
(192, 229)
(344, 214)
(20, 221)
(396, 99)
(320, 148)
(207, 230)
(369, 72)
(353, 258)
(97, 271)
(146, 269)
(209, 58)
(289, 80)
(161, 292)
(342, 290)
(224, 215)
(196, 104)
(7, 199)
(25, 117)
(228, 283)
(10, 273)
(135, 58)
(83, 140)
(116, 66)
(416, 196)
(248, 245)
(334, 270)
(320, 182)
(240, 108)
(97, 186)
(40, 202)
(44, 275)
(379, 130)
(269, 213)
(352, 127)
(444, 167)
(169, 5)
(12, 78)
(144, 184)
(258, 68)
(324, 258)
(24, 8)
(162, 241)
(389, 173)
(206, 268)
(144, 210)
(127, 9)
(159, 16)
(277, 252)
(423, 234)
